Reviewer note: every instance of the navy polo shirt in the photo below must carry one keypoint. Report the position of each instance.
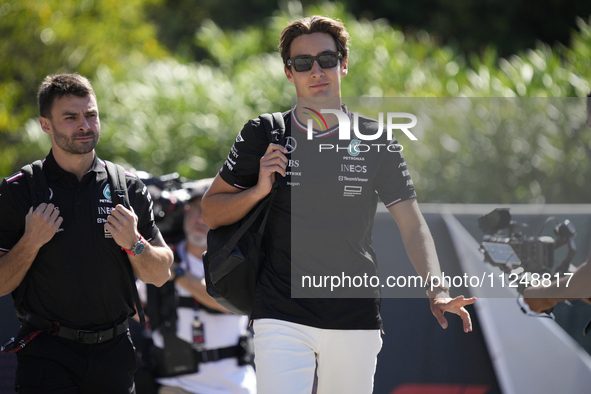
(80, 277)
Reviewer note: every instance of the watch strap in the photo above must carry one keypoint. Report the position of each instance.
(129, 252)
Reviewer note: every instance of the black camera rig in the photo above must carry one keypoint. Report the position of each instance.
(516, 253)
(169, 194)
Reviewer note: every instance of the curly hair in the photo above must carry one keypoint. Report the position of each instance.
(314, 24)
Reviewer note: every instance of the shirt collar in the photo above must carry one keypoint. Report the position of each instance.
(316, 133)
(56, 172)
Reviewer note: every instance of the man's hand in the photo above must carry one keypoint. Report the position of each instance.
(454, 305)
(153, 265)
(42, 223)
(535, 300)
(273, 161)
(541, 298)
(540, 305)
(122, 224)
(224, 204)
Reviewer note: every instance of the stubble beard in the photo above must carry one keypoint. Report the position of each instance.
(67, 144)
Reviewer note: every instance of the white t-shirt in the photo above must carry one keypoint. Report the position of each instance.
(220, 330)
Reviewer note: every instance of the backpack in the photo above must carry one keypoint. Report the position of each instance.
(235, 253)
(39, 192)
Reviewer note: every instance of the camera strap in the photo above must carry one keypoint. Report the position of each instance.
(210, 355)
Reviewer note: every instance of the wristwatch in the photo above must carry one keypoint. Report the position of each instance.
(137, 247)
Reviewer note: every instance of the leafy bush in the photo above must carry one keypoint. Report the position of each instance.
(56, 36)
(165, 116)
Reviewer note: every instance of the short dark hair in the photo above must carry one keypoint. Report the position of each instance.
(58, 85)
(314, 24)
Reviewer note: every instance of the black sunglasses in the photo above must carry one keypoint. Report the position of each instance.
(305, 62)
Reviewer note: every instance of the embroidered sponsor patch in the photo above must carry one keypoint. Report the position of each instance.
(107, 192)
(353, 148)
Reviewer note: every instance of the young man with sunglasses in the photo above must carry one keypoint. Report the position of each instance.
(313, 221)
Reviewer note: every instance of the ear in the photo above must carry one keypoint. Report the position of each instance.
(344, 67)
(45, 124)
(288, 74)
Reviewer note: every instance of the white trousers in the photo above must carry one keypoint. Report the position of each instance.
(286, 355)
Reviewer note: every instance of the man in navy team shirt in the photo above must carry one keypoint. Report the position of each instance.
(70, 258)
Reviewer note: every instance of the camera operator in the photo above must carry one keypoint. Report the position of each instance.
(213, 333)
(542, 298)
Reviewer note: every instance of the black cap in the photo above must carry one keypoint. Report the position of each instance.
(197, 188)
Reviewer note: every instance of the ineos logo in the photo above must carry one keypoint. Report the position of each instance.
(353, 168)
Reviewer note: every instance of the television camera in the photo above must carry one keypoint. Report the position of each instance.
(520, 255)
(169, 193)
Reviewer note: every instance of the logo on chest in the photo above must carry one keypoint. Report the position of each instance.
(106, 194)
(105, 210)
(290, 144)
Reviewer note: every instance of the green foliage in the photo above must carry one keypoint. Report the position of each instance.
(178, 20)
(499, 150)
(56, 36)
(165, 116)
(468, 25)
(395, 65)
(472, 25)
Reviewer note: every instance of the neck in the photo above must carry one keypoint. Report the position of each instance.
(305, 104)
(195, 250)
(77, 164)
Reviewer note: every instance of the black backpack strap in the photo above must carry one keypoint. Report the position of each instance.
(37, 182)
(264, 205)
(275, 129)
(119, 195)
(39, 193)
(274, 126)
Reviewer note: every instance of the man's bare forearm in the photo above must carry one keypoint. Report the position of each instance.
(41, 225)
(223, 204)
(197, 287)
(569, 287)
(417, 238)
(420, 248)
(153, 264)
(15, 264)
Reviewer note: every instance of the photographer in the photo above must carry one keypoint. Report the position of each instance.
(542, 298)
(212, 332)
